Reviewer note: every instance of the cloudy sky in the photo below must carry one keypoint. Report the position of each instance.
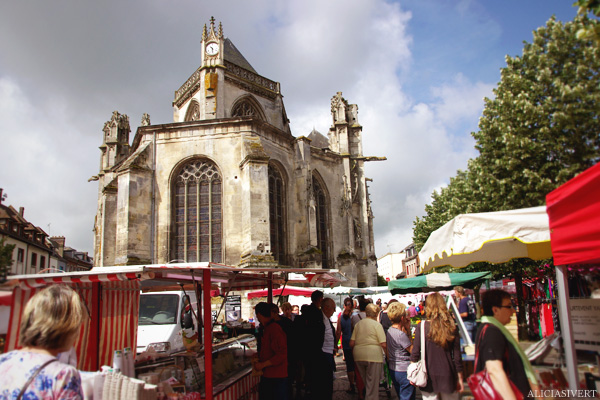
(418, 70)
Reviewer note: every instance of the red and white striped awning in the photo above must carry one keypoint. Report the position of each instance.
(112, 296)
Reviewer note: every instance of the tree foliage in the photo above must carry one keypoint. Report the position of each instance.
(540, 130)
(542, 127)
(6, 260)
(586, 7)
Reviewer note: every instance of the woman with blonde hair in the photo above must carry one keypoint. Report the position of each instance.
(442, 351)
(49, 326)
(399, 345)
(368, 345)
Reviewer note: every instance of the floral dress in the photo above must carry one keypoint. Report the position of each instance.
(55, 381)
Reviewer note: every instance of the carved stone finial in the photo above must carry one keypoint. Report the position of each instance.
(212, 24)
(145, 119)
(204, 33)
(220, 30)
(338, 108)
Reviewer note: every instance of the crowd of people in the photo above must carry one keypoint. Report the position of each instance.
(378, 341)
(296, 350)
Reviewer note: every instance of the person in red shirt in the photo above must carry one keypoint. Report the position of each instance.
(272, 357)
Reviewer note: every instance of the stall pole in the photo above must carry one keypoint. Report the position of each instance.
(95, 326)
(566, 328)
(208, 330)
(270, 288)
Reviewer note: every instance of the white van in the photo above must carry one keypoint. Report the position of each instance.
(159, 321)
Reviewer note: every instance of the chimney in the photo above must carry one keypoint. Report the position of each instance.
(22, 211)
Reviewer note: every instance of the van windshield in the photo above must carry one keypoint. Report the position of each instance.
(158, 309)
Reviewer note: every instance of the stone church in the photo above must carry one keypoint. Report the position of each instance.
(227, 182)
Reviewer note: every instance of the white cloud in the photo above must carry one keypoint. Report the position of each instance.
(44, 169)
(57, 88)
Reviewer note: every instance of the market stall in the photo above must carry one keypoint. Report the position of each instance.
(285, 291)
(574, 220)
(112, 294)
(495, 237)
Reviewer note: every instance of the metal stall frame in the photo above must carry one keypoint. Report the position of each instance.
(150, 278)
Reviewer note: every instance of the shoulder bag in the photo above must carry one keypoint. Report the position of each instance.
(417, 372)
(481, 383)
(32, 377)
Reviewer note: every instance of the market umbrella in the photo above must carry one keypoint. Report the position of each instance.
(494, 237)
(378, 289)
(288, 290)
(438, 281)
(348, 291)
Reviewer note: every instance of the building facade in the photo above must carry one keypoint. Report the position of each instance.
(391, 266)
(411, 264)
(227, 182)
(34, 251)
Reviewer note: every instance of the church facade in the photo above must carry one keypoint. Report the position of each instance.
(227, 182)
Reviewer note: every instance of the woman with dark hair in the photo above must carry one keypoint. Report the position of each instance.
(442, 351)
(50, 325)
(272, 357)
(498, 351)
(344, 327)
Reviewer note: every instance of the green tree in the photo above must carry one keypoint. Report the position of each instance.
(586, 7)
(542, 127)
(456, 198)
(381, 281)
(6, 260)
(540, 130)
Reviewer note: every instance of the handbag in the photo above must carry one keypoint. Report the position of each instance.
(481, 383)
(417, 372)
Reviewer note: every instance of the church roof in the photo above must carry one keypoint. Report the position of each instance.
(318, 140)
(233, 55)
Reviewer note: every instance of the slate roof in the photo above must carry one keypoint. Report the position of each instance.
(318, 139)
(233, 55)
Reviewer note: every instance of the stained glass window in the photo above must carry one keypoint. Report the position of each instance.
(197, 213)
(322, 222)
(276, 215)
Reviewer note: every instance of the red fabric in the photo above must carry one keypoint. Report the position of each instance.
(273, 347)
(289, 290)
(574, 215)
(5, 298)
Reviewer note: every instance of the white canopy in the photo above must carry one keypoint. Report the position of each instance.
(494, 237)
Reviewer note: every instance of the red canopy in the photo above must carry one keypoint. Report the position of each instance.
(288, 290)
(574, 214)
(5, 298)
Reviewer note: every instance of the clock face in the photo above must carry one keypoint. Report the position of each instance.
(212, 49)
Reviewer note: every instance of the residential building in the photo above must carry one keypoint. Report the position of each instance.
(34, 252)
(391, 266)
(410, 264)
(31, 253)
(67, 258)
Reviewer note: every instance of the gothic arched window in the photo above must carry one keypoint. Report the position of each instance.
(197, 211)
(247, 106)
(193, 111)
(322, 217)
(277, 214)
